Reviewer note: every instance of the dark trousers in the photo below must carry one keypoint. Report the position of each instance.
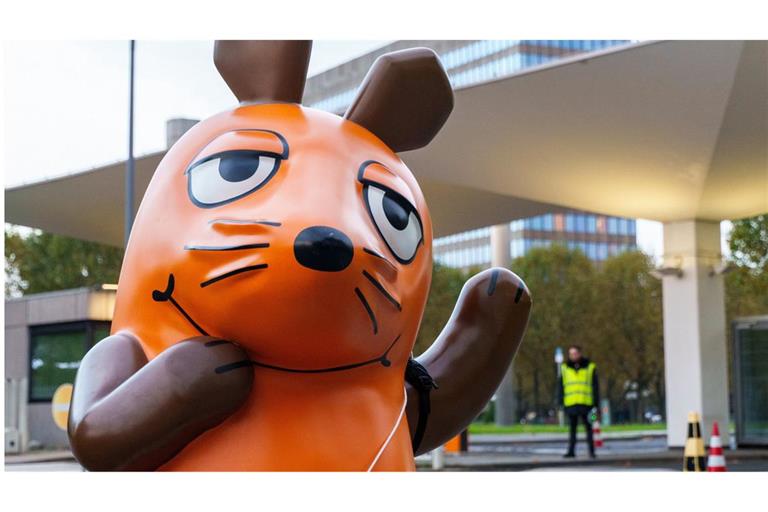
(576, 413)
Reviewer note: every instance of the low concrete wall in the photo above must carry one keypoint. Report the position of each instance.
(42, 429)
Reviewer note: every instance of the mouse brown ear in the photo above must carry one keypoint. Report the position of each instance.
(404, 99)
(264, 70)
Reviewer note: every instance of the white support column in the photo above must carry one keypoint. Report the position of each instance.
(695, 356)
(505, 395)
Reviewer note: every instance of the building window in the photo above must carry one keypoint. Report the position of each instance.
(591, 224)
(600, 226)
(613, 227)
(570, 225)
(602, 251)
(592, 250)
(559, 222)
(55, 354)
(581, 223)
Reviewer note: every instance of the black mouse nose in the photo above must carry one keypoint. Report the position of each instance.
(323, 248)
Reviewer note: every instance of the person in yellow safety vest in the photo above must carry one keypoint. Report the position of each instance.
(579, 393)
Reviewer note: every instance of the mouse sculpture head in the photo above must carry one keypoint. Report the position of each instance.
(296, 233)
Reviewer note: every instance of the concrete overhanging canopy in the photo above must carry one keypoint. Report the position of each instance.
(665, 130)
(87, 205)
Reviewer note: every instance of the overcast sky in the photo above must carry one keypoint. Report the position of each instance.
(66, 102)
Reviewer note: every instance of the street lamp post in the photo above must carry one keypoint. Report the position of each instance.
(558, 363)
(130, 164)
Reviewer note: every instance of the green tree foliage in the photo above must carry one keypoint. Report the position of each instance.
(612, 310)
(41, 262)
(746, 293)
(749, 243)
(630, 339)
(746, 286)
(562, 285)
(443, 293)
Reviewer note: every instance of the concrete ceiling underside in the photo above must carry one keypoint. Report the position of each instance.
(665, 131)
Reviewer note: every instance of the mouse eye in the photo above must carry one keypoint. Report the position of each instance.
(227, 176)
(396, 219)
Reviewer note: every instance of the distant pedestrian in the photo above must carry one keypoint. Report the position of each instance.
(579, 393)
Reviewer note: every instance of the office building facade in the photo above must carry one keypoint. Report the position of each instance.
(597, 236)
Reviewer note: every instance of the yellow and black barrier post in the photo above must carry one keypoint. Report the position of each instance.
(694, 445)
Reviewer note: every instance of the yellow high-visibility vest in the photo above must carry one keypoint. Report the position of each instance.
(577, 385)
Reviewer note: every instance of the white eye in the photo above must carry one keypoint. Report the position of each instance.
(396, 219)
(224, 177)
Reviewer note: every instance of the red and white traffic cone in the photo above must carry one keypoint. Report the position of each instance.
(716, 460)
(598, 439)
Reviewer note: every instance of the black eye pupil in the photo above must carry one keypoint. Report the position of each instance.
(236, 168)
(396, 214)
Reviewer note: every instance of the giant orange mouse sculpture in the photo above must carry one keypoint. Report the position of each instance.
(274, 283)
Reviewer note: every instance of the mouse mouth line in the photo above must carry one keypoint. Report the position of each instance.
(382, 359)
(167, 296)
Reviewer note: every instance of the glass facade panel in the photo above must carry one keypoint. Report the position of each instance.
(55, 354)
(602, 251)
(591, 224)
(613, 227)
(581, 224)
(54, 361)
(752, 375)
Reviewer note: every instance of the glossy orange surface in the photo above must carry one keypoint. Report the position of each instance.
(285, 315)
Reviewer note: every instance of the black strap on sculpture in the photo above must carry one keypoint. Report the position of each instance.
(418, 377)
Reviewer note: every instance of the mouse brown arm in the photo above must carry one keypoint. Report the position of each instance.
(131, 414)
(473, 352)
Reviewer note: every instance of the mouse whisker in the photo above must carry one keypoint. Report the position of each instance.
(376, 284)
(368, 310)
(225, 247)
(245, 221)
(232, 273)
